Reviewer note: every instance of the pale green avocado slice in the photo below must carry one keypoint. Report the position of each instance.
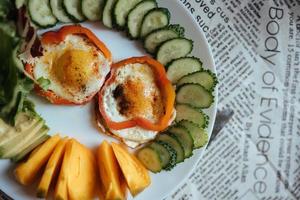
(12, 148)
(24, 122)
(28, 148)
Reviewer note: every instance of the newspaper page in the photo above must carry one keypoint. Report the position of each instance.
(256, 48)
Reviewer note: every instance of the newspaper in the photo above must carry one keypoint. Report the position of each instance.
(256, 48)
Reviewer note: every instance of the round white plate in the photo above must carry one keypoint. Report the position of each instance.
(78, 121)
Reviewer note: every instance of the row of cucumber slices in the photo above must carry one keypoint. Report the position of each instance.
(144, 20)
(194, 92)
(173, 146)
(187, 132)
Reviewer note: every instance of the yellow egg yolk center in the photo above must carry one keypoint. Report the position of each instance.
(73, 68)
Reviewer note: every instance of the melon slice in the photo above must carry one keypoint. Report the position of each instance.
(52, 168)
(136, 175)
(82, 173)
(27, 171)
(61, 190)
(110, 174)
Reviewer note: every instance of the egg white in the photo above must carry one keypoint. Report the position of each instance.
(42, 68)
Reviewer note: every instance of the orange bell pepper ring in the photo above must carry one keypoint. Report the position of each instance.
(167, 93)
(55, 37)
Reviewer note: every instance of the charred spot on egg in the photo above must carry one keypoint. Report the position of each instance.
(132, 100)
(75, 66)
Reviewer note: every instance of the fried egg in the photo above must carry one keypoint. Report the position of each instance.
(75, 67)
(134, 92)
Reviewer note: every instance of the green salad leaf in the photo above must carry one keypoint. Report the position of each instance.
(14, 85)
(5, 8)
(44, 83)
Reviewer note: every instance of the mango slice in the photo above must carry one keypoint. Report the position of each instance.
(123, 184)
(136, 175)
(61, 190)
(52, 168)
(27, 171)
(110, 173)
(82, 173)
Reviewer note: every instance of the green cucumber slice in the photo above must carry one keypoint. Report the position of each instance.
(107, 13)
(73, 9)
(205, 78)
(174, 49)
(157, 37)
(150, 159)
(184, 137)
(181, 67)
(58, 11)
(163, 153)
(194, 95)
(187, 112)
(155, 19)
(174, 143)
(121, 11)
(41, 14)
(92, 9)
(172, 153)
(199, 134)
(136, 15)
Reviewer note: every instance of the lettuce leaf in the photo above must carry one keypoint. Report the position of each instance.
(5, 8)
(14, 85)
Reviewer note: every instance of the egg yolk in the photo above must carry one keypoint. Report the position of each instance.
(73, 68)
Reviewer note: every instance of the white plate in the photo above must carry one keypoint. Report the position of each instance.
(78, 121)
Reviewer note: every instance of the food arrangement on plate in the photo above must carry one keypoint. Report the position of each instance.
(153, 105)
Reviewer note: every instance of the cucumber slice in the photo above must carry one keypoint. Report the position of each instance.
(162, 152)
(73, 9)
(107, 13)
(172, 153)
(121, 11)
(184, 137)
(194, 95)
(181, 67)
(174, 49)
(205, 78)
(186, 112)
(40, 13)
(58, 11)
(177, 28)
(174, 143)
(199, 134)
(136, 15)
(92, 9)
(157, 37)
(155, 19)
(150, 158)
